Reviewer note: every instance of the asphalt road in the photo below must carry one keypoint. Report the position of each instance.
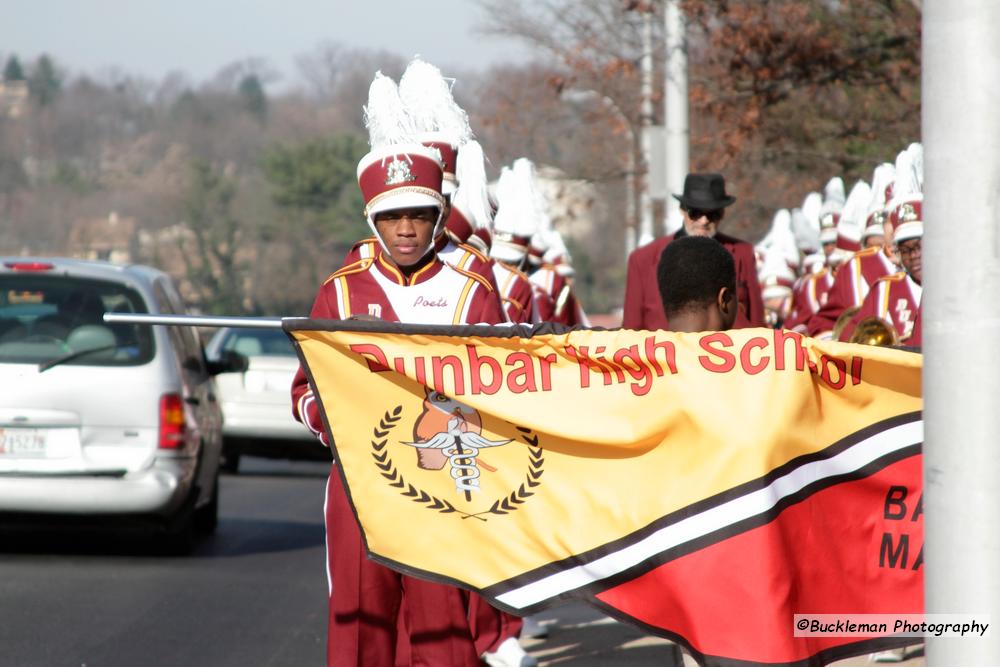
(252, 595)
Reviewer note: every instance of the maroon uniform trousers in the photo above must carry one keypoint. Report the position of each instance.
(644, 307)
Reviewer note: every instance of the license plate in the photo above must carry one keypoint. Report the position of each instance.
(22, 442)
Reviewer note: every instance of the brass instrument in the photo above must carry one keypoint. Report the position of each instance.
(875, 331)
(845, 317)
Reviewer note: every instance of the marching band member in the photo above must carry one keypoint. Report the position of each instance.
(513, 227)
(855, 277)
(436, 121)
(896, 298)
(403, 281)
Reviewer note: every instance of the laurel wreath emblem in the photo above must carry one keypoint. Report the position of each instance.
(503, 505)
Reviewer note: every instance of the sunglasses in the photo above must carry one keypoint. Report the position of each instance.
(713, 216)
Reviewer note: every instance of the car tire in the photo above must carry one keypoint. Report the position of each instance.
(206, 518)
(230, 460)
(179, 536)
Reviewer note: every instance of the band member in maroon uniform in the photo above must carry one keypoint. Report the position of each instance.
(405, 282)
(703, 201)
(856, 276)
(896, 298)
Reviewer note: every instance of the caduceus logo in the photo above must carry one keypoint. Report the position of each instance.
(448, 434)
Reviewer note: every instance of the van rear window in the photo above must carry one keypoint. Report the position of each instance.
(44, 317)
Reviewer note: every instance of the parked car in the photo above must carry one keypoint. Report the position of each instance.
(115, 421)
(257, 402)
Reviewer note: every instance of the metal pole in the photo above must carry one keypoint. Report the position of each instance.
(630, 235)
(198, 320)
(961, 327)
(676, 111)
(645, 201)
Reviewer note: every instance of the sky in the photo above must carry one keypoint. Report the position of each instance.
(199, 37)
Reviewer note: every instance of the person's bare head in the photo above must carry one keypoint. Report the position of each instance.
(697, 281)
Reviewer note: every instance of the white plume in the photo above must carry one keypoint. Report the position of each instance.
(430, 104)
(811, 206)
(855, 212)
(916, 151)
(385, 117)
(905, 177)
(833, 196)
(781, 238)
(884, 174)
(472, 197)
(806, 233)
(516, 212)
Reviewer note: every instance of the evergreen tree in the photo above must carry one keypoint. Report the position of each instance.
(44, 83)
(254, 97)
(13, 71)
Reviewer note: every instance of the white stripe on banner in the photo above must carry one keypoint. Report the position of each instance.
(718, 517)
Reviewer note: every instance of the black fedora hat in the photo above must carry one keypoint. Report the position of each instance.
(706, 192)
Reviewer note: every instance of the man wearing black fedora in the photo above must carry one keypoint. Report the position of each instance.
(704, 203)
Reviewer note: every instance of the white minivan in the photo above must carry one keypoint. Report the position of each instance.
(117, 421)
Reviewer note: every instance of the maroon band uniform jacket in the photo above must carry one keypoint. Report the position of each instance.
(644, 308)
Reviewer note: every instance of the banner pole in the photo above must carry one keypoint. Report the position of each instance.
(197, 320)
(961, 328)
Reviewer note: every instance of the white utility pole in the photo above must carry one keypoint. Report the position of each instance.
(961, 321)
(645, 200)
(676, 110)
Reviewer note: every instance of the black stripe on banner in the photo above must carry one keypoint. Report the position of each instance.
(819, 659)
(708, 503)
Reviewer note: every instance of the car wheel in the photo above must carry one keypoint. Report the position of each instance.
(230, 460)
(207, 518)
(179, 536)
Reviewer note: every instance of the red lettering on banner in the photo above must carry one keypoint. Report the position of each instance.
(825, 374)
(639, 371)
(728, 361)
(545, 366)
(476, 364)
(780, 337)
(373, 356)
(651, 346)
(521, 377)
(749, 368)
(457, 375)
(856, 370)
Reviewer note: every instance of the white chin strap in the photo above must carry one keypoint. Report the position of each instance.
(438, 226)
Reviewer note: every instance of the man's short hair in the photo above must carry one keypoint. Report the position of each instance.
(691, 272)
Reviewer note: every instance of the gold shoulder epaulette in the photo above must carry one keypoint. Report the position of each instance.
(894, 277)
(520, 273)
(356, 267)
(475, 276)
(865, 252)
(475, 251)
(364, 241)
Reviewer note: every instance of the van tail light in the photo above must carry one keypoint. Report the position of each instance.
(29, 266)
(172, 424)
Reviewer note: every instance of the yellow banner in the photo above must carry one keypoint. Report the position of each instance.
(533, 464)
